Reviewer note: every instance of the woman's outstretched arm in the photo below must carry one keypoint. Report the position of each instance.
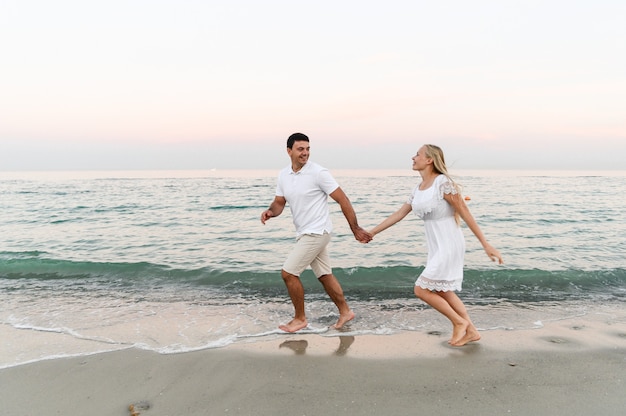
(457, 202)
(392, 219)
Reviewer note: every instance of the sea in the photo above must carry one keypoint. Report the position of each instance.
(178, 261)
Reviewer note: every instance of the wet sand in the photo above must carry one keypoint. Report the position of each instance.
(553, 370)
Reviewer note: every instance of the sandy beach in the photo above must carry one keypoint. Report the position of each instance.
(558, 369)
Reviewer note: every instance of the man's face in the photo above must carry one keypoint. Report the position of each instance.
(299, 153)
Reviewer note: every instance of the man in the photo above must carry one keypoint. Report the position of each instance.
(306, 186)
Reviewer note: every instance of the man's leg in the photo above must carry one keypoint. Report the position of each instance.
(334, 290)
(296, 293)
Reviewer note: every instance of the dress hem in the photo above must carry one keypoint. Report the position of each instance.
(439, 285)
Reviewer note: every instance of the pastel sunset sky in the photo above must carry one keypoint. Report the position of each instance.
(200, 84)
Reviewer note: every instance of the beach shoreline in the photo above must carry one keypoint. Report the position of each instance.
(559, 368)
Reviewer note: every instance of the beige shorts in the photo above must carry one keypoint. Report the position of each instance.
(310, 250)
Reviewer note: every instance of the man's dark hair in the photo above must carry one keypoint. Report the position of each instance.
(296, 137)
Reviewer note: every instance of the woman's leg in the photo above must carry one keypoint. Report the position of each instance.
(434, 299)
(457, 304)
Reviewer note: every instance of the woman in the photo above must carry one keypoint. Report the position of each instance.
(437, 200)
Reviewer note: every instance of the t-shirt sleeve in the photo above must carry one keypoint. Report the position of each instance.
(279, 187)
(326, 182)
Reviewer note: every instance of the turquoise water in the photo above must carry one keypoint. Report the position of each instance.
(177, 261)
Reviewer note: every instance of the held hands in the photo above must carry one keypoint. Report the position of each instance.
(361, 235)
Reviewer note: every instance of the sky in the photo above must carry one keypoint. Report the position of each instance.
(186, 84)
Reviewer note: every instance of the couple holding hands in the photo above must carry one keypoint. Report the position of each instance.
(436, 199)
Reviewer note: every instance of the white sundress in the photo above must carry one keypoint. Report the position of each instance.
(444, 237)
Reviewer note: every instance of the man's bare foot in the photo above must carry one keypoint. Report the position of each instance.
(294, 325)
(471, 335)
(343, 319)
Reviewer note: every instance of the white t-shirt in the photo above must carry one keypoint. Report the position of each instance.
(306, 192)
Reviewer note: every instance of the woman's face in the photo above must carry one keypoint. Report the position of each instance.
(420, 160)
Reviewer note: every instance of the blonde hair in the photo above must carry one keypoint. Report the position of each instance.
(439, 163)
(439, 166)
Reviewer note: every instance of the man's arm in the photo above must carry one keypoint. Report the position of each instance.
(275, 209)
(346, 207)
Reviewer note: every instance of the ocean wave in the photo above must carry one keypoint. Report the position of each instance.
(386, 282)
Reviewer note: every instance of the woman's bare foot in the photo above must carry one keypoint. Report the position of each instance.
(294, 325)
(471, 335)
(459, 332)
(343, 319)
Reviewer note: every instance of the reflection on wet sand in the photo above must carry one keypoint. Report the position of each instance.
(299, 346)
